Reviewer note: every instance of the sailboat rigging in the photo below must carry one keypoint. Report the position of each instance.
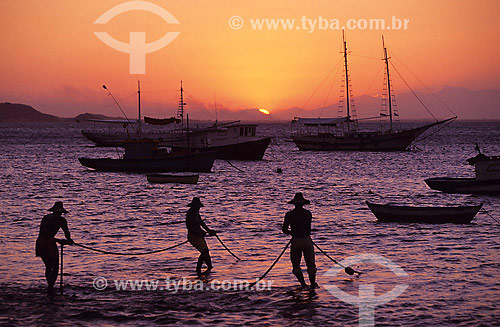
(329, 134)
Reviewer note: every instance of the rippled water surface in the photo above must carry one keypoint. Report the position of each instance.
(453, 270)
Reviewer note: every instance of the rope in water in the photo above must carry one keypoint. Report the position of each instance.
(348, 270)
(486, 212)
(231, 164)
(272, 266)
(225, 247)
(129, 253)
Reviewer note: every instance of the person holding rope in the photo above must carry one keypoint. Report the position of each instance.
(299, 222)
(196, 235)
(46, 246)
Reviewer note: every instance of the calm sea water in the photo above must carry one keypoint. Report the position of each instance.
(453, 270)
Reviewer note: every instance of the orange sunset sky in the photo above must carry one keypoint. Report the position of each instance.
(52, 60)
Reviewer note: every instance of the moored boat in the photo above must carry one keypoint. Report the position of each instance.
(114, 136)
(180, 179)
(487, 180)
(430, 215)
(233, 140)
(145, 156)
(345, 134)
(463, 185)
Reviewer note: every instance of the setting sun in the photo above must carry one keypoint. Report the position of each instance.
(264, 111)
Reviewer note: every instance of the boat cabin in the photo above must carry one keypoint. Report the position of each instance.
(486, 167)
(223, 134)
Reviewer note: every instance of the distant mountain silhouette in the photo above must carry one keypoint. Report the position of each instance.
(16, 112)
(465, 103)
(86, 116)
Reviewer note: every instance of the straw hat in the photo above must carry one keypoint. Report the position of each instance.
(58, 207)
(196, 203)
(299, 199)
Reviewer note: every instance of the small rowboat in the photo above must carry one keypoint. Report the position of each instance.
(181, 179)
(430, 215)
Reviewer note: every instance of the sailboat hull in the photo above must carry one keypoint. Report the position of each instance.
(391, 141)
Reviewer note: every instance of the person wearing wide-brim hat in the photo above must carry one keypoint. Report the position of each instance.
(299, 222)
(46, 246)
(197, 230)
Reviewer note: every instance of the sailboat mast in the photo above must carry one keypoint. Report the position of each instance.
(139, 105)
(386, 59)
(180, 110)
(348, 99)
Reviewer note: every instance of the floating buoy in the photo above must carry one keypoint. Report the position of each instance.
(279, 170)
(349, 271)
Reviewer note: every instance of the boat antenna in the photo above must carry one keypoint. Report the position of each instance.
(386, 59)
(119, 107)
(180, 109)
(139, 106)
(478, 149)
(346, 81)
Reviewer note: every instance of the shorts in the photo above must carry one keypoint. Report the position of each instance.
(198, 242)
(302, 245)
(46, 247)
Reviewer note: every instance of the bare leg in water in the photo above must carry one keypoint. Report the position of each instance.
(311, 266)
(51, 272)
(296, 256)
(204, 257)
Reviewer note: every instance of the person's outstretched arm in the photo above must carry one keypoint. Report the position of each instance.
(67, 234)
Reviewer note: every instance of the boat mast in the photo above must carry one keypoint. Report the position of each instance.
(348, 98)
(180, 109)
(139, 106)
(386, 59)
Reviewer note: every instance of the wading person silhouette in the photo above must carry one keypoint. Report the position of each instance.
(299, 222)
(196, 235)
(46, 246)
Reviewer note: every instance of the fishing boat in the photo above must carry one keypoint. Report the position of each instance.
(430, 215)
(487, 180)
(180, 179)
(344, 133)
(230, 140)
(146, 156)
(131, 129)
(121, 130)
